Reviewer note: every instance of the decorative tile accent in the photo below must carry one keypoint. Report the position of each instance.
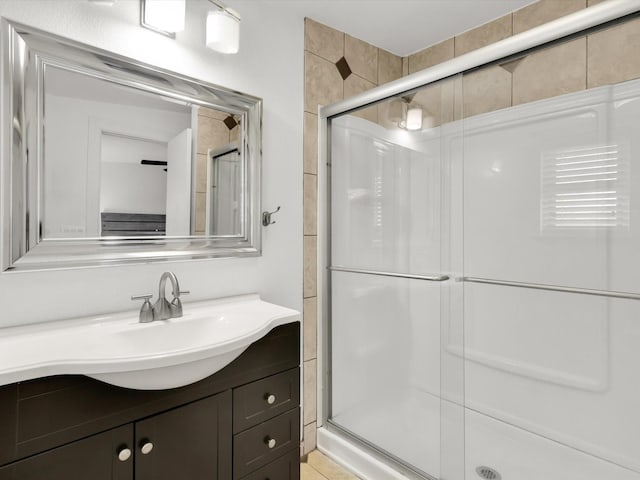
(551, 72)
(323, 83)
(310, 391)
(613, 54)
(230, 122)
(310, 143)
(362, 57)
(389, 67)
(343, 68)
(323, 41)
(483, 35)
(310, 266)
(310, 321)
(431, 56)
(310, 204)
(355, 85)
(486, 90)
(544, 11)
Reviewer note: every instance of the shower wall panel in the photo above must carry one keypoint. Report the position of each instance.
(551, 386)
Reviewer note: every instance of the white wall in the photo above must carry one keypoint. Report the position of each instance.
(269, 65)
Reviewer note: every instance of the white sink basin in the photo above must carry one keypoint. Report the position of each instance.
(119, 350)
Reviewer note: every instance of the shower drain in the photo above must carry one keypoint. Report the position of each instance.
(488, 473)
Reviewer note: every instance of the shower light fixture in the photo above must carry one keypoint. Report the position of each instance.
(223, 29)
(414, 118)
(163, 16)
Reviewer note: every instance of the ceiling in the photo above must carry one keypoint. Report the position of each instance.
(404, 27)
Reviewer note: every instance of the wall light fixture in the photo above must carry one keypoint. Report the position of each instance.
(223, 29)
(163, 16)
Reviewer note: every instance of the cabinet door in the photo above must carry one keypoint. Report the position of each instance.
(93, 458)
(188, 443)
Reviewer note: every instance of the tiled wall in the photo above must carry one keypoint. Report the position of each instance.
(605, 57)
(363, 67)
(212, 134)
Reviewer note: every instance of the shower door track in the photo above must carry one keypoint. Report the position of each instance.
(552, 288)
(435, 277)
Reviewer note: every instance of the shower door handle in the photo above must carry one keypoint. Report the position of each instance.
(432, 277)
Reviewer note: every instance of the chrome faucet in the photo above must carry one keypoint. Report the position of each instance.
(162, 309)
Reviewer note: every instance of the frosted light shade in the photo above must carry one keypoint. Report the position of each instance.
(414, 119)
(223, 32)
(165, 15)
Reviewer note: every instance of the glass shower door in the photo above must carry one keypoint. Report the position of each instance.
(389, 281)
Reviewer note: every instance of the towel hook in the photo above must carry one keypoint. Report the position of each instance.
(266, 217)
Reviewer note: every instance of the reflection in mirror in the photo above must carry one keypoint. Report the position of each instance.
(128, 153)
(111, 161)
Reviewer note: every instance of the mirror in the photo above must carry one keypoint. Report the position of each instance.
(111, 161)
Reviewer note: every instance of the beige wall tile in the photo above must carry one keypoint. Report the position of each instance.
(212, 134)
(323, 41)
(483, 35)
(362, 57)
(210, 112)
(310, 320)
(389, 67)
(433, 55)
(234, 133)
(310, 266)
(310, 204)
(437, 102)
(613, 54)
(405, 66)
(201, 211)
(310, 143)
(550, 72)
(486, 90)
(201, 173)
(591, 3)
(323, 84)
(310, 391)
(544, 11)
(354, 85)
(309, 436)
(390, 113)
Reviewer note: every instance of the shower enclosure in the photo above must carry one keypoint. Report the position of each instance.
(482, 273)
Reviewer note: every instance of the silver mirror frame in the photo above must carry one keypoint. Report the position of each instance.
(26, 52)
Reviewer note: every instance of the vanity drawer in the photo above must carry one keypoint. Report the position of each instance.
(259, 401)
(286, 467)
(260, 445)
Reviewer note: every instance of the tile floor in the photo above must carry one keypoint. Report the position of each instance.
(319, 467)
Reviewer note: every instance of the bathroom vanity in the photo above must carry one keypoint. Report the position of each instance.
(242, 422)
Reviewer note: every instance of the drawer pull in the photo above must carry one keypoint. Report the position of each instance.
(124, 453)
(145, 447)
(271, 398)
(270, 442)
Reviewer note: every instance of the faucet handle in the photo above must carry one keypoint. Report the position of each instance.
(146, 311)
(176, 307)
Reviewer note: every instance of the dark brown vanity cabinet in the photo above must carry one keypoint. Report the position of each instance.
(241, 423)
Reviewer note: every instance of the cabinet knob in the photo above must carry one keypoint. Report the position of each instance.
(271, 442)
(124, 454)
(145, 447)
(271, 398)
